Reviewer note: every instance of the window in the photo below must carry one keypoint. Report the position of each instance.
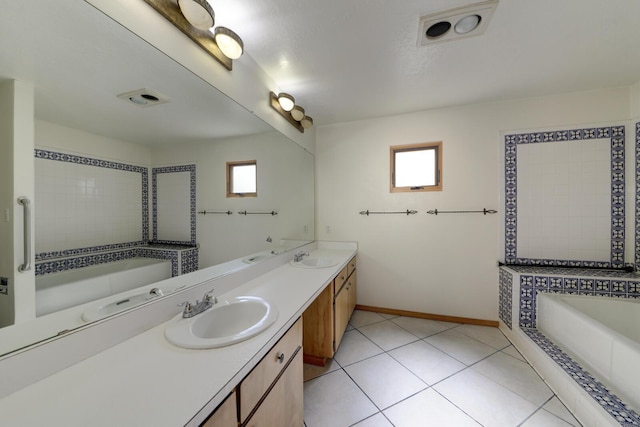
(416, 167)
(242, 179)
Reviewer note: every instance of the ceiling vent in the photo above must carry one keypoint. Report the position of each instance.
(144, 98)
(454, 24)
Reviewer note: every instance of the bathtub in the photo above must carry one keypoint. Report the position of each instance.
(58, 291)
(600, 333)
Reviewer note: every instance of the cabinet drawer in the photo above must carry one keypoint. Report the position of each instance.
(254, 386)
(283, 406)
(351, 266)
(339, 280)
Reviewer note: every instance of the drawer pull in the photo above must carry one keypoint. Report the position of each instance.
(280, 357)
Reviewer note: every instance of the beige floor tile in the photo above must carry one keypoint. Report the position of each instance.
(543, 418)
(334, 400)
(515, 375)
(384, 380)
(355, 347)
(556, 407)
(422, 328)
(362, 318)
(313, 371)
(484, 400)
(427, 362)
(486, 334)
(428, 408)
(378, 420)
(512, 351)
(460, 346)
(387, 335)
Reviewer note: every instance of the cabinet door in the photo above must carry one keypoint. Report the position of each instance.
(318, 326)
(341, 313)
(225, 415)
(283, 406)
(351, 287)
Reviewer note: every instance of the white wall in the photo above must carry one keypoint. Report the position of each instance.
(285, 173)
(443, 264)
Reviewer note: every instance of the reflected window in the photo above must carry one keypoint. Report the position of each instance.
(242, 179)
(416, 167)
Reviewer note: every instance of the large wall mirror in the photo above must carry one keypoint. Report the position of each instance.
(112, 175)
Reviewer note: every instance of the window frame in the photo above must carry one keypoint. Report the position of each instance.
(230, 166)
(437, 146)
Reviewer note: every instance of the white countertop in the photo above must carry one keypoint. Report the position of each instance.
(147, 381)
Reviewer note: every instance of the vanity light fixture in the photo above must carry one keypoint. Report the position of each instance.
(198, 12)
(229, 42)
(285, 105)
(286, 101)
(195, 18)
(306, 122)
(297, 112)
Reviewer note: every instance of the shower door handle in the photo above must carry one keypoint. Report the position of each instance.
(27, 234)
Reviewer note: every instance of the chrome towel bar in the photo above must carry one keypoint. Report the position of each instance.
(26, 203)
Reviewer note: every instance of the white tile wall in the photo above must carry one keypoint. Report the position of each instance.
(174, 204)
(80, 206)
(564, 199)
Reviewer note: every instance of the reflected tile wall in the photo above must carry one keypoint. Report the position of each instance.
(84, 202)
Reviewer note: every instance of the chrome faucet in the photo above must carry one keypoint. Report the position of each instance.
(298, 257)
(191, 309)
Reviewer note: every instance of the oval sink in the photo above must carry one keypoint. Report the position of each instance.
(315, 262)
(226, 323)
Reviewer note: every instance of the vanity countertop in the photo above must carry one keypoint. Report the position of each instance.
(145, 380)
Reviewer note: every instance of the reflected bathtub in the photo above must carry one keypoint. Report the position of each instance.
(600, 333)
(58, 291)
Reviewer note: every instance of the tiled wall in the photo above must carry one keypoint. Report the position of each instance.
(90, 211)
(85, 202)
(565, 197)
(174, 204)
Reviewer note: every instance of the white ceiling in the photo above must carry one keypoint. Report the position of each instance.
(355, 59)
(342, 60)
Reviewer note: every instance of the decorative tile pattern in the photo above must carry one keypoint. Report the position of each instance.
(506, 298)
(581, 272)
(192, 209)
(637, 223)
(88, 161)
(540, 279)
(186, 263)
(189, 260)
(616, 134)
(623, 415)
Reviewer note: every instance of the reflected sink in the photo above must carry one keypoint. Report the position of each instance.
(314, 262)
(227, 322)
(99, 311)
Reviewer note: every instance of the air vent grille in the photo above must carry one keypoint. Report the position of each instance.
(144, 98)
(454, 24)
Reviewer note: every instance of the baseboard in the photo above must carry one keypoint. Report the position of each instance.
(454, 319)
(314, 360)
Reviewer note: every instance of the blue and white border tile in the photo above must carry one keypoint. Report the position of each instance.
(100, 163)
(192, 198)
(616, 135)
(611, 403)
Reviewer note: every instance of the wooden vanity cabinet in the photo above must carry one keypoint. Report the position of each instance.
(326, 319)
(272, 393)
(225, 415)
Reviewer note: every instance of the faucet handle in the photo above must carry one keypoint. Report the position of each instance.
(188, 308)
(208, 298)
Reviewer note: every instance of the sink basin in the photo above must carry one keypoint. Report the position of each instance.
(226, 323)
(314, 262)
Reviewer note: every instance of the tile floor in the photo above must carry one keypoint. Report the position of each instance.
(401, 371)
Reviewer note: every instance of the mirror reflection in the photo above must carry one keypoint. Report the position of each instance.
(118, 185)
